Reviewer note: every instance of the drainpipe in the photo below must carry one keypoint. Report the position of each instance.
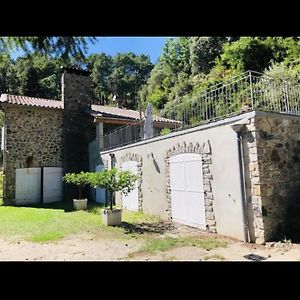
(238, 127)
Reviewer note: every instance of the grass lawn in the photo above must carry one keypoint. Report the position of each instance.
(167, 243)
(40, 224)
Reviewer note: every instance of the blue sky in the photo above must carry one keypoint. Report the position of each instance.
(151, 46)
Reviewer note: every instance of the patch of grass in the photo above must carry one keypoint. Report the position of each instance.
(214, 257)
(208, 244)
(48, 236)
(40, 224)
(43, 223)
(138, 217)
(167, 243)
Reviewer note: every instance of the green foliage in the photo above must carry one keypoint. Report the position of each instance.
(248, 53)
(122, 75)
(281, 71)
(102, 67)
(176, 55)
(114, 180)
(204, 51)
(81, 179)
(165, 131)
(188, 66)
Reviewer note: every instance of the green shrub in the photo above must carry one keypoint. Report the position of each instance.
(113, 180)
(165, 131)
(80, 179)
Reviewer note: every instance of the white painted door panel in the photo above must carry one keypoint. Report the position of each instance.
(187, 195)
(100, 193)
(52, 184)
(131, 201)
(28, 186)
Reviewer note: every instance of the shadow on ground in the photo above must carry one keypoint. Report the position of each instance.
(157, 227)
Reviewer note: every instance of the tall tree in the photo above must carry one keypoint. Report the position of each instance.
(130, 72)
(37, 75)
(102, 67)
(6, 65)
(204, 51)
(248, 53)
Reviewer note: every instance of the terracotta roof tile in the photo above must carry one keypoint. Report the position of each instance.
(106, 111)
(31, 101)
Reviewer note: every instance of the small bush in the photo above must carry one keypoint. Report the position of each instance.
(165, 131)
(80, 179)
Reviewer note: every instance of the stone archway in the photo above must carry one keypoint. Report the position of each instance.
(205, 151)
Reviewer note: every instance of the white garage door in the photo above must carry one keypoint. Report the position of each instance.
(28, 185)
(187, 195)
(52, 184)
(131, 201)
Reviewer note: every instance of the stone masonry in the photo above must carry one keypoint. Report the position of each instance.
(33, 139)
(78, 126)
(205, 151)
(50, 137)
(272, 166)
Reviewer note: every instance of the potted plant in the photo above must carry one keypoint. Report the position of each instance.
(81, 180)
(113, 181)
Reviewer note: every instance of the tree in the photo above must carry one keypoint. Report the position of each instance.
(37, 75)
(81, 180)
(248, 53)
(204, 51)
(176, 55)
(113, 180)
(55, 46)
(6, 65)
(130, 72)
(102, 67)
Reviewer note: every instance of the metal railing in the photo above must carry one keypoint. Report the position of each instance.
(247, 91)
(124, 135)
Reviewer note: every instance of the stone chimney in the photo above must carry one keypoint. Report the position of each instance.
(77, 98)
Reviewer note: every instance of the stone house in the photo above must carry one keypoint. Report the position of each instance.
(45, 133)
(239, 176)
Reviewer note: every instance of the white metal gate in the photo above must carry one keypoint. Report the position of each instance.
(131, 201)
(29, 189)
(52, 184)
(187, 195)
(28, 185)
(100, 193)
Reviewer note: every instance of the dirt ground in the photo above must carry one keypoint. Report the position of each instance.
(83, 247)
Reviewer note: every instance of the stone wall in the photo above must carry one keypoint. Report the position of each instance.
(33, 139)
(278, 153)
(272, 168)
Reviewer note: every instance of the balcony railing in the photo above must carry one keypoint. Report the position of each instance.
(248, 91)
